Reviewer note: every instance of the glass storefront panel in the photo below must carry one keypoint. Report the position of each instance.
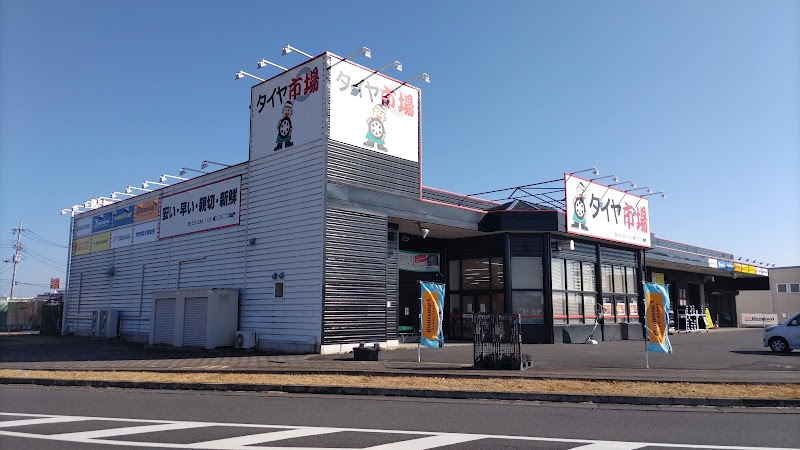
(573, 276)
(633, 308)
(575, 307)
(621, 308)
(498, 303)
(588, 277)
(455, 316)
(526, 273)
(529, 305)
(498, 278)
(605, 271)
(454, 276)
(630, 280)
(476, 274)
(589, 308)
(559, 307)
(558, 274)
(619, 279)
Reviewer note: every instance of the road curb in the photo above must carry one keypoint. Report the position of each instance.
(400, 372)
(415, 393)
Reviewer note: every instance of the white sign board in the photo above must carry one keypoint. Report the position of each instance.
(82, 227)
(757, 320)
(605, 213)
(712, 263)
(122, 237)
(145, 232)
(418, 262)
(286, 111)
(204, 208)
(380, 114)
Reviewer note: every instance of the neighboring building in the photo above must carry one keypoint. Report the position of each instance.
(326, 231)
(775, 304)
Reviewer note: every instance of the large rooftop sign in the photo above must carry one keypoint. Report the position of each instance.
(328, 97)
(606, 213)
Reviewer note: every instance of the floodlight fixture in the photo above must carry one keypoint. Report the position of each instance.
(163, 178)
(289, 49)
(187, 169)
(397, 65)
(594, 171)
(115, 194)
(148, 183)
(424, 77)
(204, 164)
(646, 189)
(242, 74)
(130, 189)
(629, 183)
(264, 63)
(613, 178)
(662, 194)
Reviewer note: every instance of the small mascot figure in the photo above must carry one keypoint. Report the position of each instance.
(376, 131)
(284, 139)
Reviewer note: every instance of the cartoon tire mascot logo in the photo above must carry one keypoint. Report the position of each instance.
(579, 208)
(284, 139)
(376, 131)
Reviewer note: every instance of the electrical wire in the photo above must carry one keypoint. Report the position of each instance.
(41, 239)
(48, 264)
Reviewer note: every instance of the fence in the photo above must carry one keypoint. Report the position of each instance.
(498, 342)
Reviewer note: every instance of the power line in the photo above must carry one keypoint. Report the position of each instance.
(51, 265)
(43, 240)
(34, 252)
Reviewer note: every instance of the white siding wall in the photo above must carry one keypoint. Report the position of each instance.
(208, 259)
(286, 217)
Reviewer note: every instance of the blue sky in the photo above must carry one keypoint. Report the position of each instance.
(698, 99)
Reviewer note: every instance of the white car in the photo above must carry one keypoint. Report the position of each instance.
(783, 337)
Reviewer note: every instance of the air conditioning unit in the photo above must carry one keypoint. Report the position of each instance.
(245, 339)
(105, 323)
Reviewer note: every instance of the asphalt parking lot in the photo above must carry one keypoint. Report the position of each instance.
(724, 355)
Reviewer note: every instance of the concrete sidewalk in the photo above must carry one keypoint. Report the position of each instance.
(725, 355)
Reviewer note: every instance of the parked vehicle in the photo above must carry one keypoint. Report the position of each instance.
(783, 337)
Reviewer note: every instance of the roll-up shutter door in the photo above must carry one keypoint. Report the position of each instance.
(195, 322)
(165, 322)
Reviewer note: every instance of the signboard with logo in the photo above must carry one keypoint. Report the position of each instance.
(204, 208)
(146, 211)
(712, 263)
(145, 232)
(286, 111)
(55, 283)
(83, 227)
(101, 242)
(122, 237)
(82, 246)
(103, 222)
(373, 111)
(123, 216)
(758, 320)
(605, 213)
(418, 262)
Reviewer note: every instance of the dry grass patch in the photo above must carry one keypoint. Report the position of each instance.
(721, 390)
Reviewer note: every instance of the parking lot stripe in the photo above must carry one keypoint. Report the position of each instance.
(252, 439)
(39, 421)
(125, 431)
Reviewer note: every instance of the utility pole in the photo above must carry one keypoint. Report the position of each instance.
(17, 258)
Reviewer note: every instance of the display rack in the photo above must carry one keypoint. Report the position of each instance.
(692, 319)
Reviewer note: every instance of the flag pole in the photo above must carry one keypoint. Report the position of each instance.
(646, 334)
(419, 323)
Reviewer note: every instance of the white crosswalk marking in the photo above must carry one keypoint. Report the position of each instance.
(40, 421)
(428, 442)
(262, 437)
(125, 431)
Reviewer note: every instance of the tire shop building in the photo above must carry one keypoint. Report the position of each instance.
(318, 241)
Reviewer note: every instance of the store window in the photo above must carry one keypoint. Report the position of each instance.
(620, 296)
(476, 274)
(476, 286)
(574, 294)
(527, 295)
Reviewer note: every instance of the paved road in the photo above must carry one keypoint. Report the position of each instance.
(725, 355)
(73, 418)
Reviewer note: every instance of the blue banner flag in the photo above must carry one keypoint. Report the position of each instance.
(656, 312)
(432, 298)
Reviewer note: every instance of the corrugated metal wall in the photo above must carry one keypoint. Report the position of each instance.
(287, 215)
(368, 169)
(392, 280)
(452, 198)
(208, 259)
(355, 278)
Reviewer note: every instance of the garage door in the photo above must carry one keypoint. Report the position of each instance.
(195, 322)
(165, 322)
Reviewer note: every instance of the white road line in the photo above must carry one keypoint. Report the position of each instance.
(611, 446)
(432, 439)
(251, 439)
(126, 431)
(429, 442)
(39, 421)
